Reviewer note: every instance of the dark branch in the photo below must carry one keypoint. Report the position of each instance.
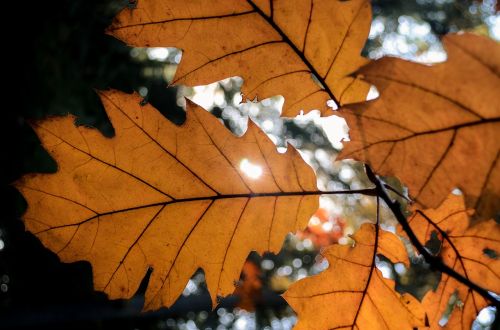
(435, 262)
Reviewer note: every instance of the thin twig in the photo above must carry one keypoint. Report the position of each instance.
(394, 190)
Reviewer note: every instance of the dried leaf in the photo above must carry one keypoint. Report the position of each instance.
(464, 249)
(351, 293)
(275, 46)
(173, 198)
(249, 289)
(435, 127)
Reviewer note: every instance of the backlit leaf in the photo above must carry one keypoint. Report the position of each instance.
(174, 198)
(435, 127)
(275, 46)
(351, 293)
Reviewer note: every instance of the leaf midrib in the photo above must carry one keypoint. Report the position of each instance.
(217, 197)
(435, 131)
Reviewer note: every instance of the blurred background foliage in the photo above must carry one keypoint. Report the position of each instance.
(61, 55)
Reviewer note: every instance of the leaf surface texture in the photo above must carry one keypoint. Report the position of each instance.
(173, 198)
(351, 293)
(275, 46)
(435, 127)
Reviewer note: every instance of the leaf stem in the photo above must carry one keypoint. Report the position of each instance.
(435, 262)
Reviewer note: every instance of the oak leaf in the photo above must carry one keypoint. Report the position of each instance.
(471, 251)
(275, 46)
(351, 293)
(174, 198)
(435, 127)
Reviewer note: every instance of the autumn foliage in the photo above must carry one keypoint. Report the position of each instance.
(169, 188)
(462, 247)
(455, 112)
(175, 198)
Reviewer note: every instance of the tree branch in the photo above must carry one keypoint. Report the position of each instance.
(435, 262)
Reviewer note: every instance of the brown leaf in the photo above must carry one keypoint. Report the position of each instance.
(435, 127)
(464, 249)
(249, 289)
(351, 293)
(274, 46)
(173, 198)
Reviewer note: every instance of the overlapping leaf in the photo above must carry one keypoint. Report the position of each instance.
(351, 293)
(173, 198)
(471, 251)
(435, 127)
(275, 46)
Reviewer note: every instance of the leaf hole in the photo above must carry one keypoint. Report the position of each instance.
(492, 254)
(434, 244)
(453, 302)
(373, 93)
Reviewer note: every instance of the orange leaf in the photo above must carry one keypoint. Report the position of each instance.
(464, 248)
(174, 198)
(352, 293)
(276, 46)
(435, 127)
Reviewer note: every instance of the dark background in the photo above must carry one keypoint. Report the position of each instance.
(55, 54)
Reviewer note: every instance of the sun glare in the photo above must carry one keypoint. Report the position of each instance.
(250, 170)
